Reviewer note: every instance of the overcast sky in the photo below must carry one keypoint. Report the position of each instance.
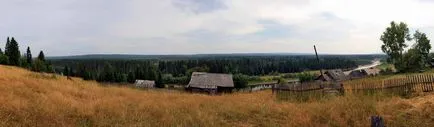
(75, 27)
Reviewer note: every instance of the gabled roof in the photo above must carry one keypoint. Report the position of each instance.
(210, 80)
(336, 74)
(333, 75)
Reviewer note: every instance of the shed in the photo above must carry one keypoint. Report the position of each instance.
(210, 82)
(144, 84)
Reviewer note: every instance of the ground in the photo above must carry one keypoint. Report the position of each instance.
(34, 99)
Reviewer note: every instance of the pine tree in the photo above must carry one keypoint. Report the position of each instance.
(41, 56)
(13, 52)
(29, 56)
(1, 52)
(7, 45)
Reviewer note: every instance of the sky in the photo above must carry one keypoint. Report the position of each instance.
(77, 27)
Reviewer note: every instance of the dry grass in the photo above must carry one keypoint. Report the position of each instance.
(32, 99)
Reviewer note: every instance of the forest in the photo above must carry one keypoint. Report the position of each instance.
(176, 70)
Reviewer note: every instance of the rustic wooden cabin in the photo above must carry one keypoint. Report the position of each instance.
(144, 84)
(211, 83)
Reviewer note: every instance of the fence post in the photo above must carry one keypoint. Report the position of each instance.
(377, 121)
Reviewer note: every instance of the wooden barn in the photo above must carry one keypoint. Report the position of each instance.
(336, 75)
(144, 84)
(211, 83)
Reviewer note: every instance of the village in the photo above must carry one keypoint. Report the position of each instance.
(215, 83)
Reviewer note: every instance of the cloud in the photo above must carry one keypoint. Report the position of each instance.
(71, 27)
(199, 6)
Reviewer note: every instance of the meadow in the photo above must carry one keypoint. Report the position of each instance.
(36, 99)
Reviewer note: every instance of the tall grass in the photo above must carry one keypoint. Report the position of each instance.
(31, 100)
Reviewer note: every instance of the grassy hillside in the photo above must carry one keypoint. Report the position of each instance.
(33, 99)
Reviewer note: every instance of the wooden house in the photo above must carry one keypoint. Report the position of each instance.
(210, 82)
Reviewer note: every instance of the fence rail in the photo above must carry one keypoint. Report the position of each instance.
(403, 86)
(305, 91)
(409, 83)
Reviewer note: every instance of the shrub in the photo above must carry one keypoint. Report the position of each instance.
(4, 59)
(240, 81)
(306, 77)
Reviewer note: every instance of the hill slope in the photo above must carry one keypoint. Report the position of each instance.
(33, 99)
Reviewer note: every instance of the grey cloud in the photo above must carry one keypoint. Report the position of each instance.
(59, 26)
(199, 6)
(72, 27)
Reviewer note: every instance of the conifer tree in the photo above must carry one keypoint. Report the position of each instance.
(1, 52)
(13, 52)
(7, 45)
(41, 56)
(29, 56)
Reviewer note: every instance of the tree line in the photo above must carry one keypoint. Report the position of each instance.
(12, 56)
(178, 71)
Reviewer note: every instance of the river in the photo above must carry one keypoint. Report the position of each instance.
(374, 63)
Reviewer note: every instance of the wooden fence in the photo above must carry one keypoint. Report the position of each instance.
(307, 91)
(403, 86)
(422, 83)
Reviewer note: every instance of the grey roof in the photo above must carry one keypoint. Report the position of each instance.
(145, 83)
(210, 80)
(333, 75)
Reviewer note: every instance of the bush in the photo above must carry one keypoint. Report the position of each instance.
(387, 71)
(289, 76)
(169, 79)
(240, 81)
(4, 59)
(39, 66)
(306, 77)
